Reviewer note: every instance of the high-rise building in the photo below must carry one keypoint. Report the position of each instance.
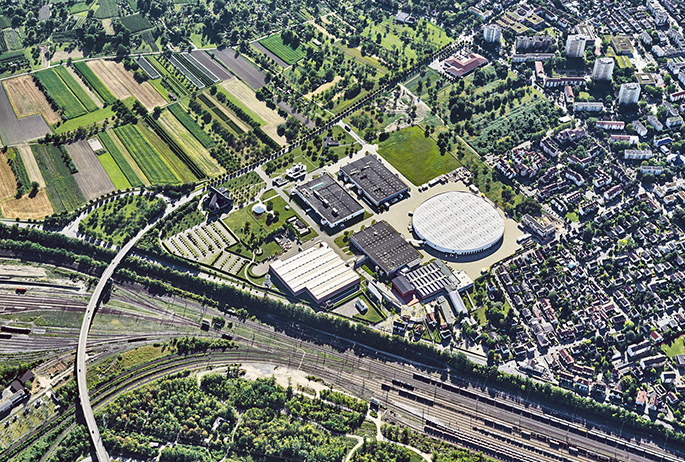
(492, 33)
(604, 68)
(629, 93)
(575, 46)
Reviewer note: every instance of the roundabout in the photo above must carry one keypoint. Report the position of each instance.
(458, 223)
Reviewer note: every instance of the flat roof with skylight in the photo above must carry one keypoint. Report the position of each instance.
(458, 223)
(329, 200)
(386, 247)
(374, 179)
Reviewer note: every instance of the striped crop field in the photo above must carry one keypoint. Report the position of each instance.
(94, 82)
(184, 168)
(145, 155)
(111, 145)
(59, 92)
(76, 89)
(61, 185)
(192, 126)
(113, 171)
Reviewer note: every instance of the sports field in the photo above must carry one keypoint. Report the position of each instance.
(275, 45)
(149, 160)
(58, 90)
(27, 99)
(403, 148)
(62, 188)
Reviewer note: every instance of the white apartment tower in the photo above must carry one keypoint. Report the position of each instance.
(575, 46)
(629, 93)
(604, 68)
(492, 33)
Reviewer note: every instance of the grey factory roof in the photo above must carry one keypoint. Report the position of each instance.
(385, 246)
(329, 199)
(374, 178)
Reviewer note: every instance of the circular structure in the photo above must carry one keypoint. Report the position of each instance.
(458, 223)
(259, 208)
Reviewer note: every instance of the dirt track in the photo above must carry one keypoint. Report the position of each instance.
(122, 84)
(91, 178)
(27, 99)
(31, 165)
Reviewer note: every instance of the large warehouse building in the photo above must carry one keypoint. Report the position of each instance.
(373, 179)
(319, 271)
(458, 223)
(329, 200)
(386, 248)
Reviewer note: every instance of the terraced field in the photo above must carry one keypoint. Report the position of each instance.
(63, 191)
(61, 94)
(149, 160)
(190, 145)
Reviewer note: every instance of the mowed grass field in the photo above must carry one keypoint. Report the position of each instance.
(134, 178)
(416, 156)
(149, 160)
(190, 145)
(59, 91)
(62, 188)
(95, 82)
(76, 89)
(275, 45)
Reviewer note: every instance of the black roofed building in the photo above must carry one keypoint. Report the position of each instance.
(329, 200)
(386, 248)
(373, 179)
(218, 199)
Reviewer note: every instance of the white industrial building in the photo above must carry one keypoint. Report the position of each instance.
(319, 271)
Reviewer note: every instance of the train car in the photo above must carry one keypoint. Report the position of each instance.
(227, 336)
(15, 330)
(400, 383)
(422, 378)
(5, 336)
(20, 290)
(137, 339)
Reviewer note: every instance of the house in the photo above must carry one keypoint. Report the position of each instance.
(612, 193)
(459, 67)
(654, 122)
(579, 106)
(575, 177)
(641, 398)
(655, 337)
(639, 128)
(630, 139)
(611, 124)
(637, 350)
(637, 154)
(652, 362)
(674, 122)
(668, 378)
(581, 384)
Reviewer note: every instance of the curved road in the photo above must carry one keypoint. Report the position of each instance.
(84, 398)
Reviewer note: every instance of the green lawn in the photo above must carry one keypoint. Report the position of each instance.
(76, 88)
(59, 92)
(416, 156)
(85, 120)
(675, 348)
(149, 160)
(107, 9)
(573, 216)
(114, 172)
(275, 45)
(373, 315)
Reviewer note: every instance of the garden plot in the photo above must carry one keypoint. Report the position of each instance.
(27, 99)
(91, 177)
(200, 67)
(122, 84)
(180, 67)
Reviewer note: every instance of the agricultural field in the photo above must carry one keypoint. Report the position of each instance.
(179, 167)
(94, 82)
(8, 182)
(122, 84)
(241, 67)
(227, 117)
(275, 45)
(63, 191)
(86, 120)
(29, 162)
(246, 97)
(77, 89)
(149, 160)
(27, 99)
(14, 130)
(190, 145)
(402, 148)
(203, 58)
(27, 207)
(115, 174)
(135, 22)
(189, 123)
(91, 177)
(13, 40)
(106, 9)
(55, 87)
(134, 175)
